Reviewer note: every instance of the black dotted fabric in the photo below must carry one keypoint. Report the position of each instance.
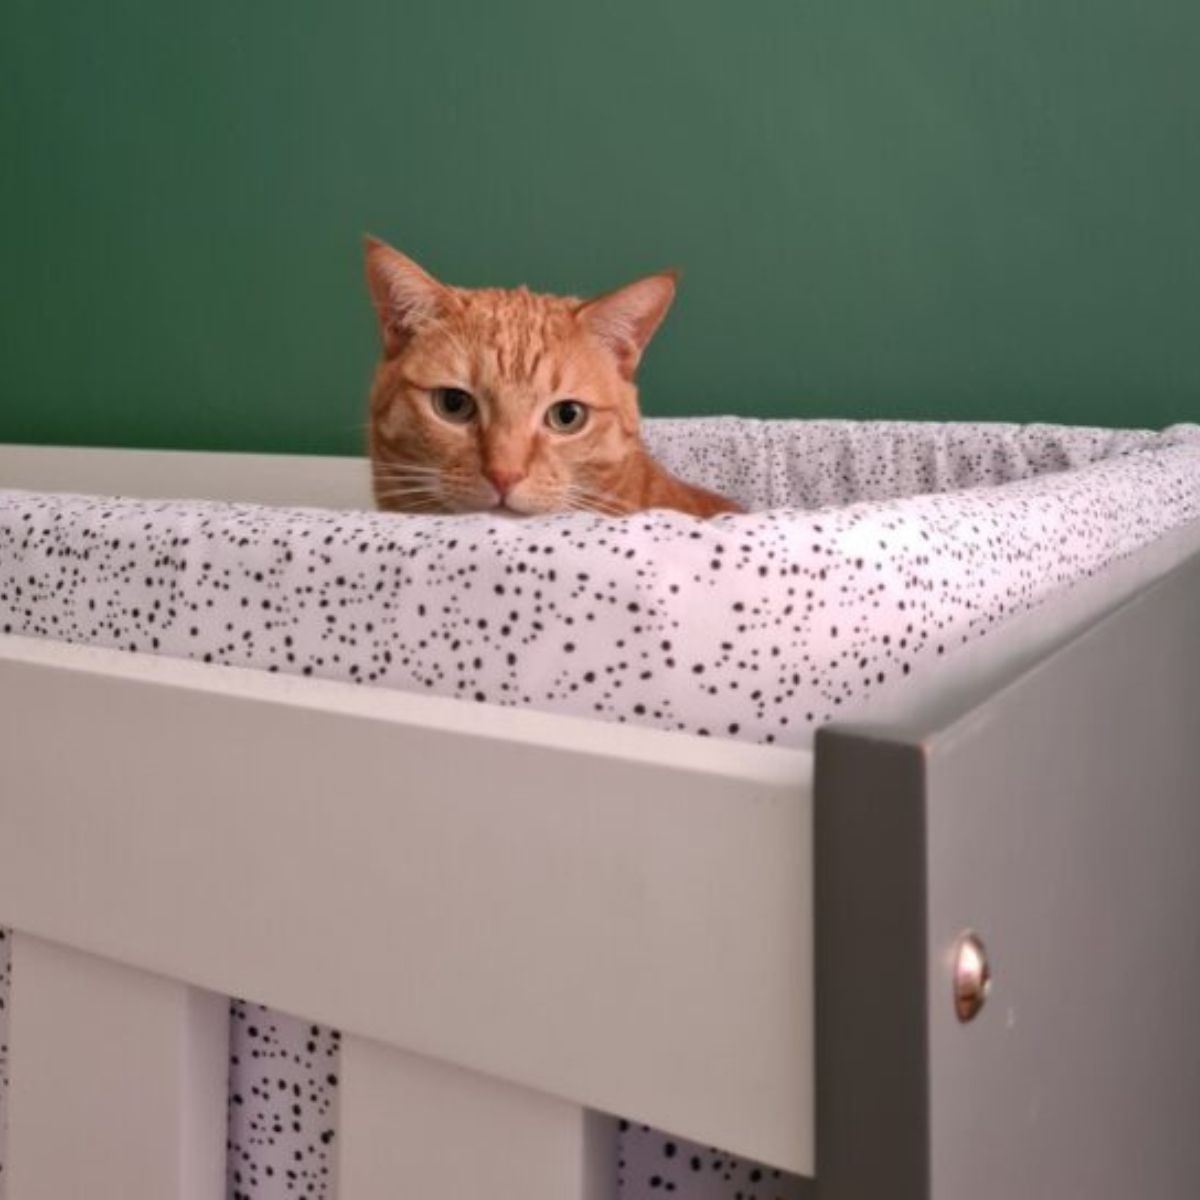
(282, 1102)
(874, 550)
(654, 1166)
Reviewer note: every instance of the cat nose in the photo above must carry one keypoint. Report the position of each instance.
(503, 478)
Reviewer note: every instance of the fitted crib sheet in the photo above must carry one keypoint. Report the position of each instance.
(875, 555)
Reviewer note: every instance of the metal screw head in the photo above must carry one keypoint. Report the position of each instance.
(972, 976)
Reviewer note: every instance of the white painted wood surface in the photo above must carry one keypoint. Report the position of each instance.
(410, 1126)
(117, 1087)
(571, 907)
(315, 481)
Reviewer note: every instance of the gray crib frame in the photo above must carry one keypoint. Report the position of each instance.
(1057, 814)
(1055, 811)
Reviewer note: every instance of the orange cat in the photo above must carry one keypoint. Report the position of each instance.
(507, 400)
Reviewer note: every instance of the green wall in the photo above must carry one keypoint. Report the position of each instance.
(976, 209)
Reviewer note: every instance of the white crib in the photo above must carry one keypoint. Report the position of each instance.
(515, 938)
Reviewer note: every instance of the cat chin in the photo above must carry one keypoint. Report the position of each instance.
(502, 510)
(522, 509)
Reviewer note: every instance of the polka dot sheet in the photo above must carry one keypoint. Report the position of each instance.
(872, 551)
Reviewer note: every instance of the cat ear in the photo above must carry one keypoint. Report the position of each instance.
(625, 319)
(405, 296)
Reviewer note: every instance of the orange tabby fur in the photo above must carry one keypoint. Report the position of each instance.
(516, 354)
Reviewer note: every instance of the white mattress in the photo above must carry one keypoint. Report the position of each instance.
(884, 564)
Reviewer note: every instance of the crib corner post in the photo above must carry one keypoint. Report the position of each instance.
(414, 1125)
(118, 1080)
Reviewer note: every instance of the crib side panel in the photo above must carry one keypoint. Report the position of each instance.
(1059, 818)
(381, 863)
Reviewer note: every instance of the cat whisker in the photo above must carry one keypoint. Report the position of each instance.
(407, 472)
(415, 495)
(583, 511)
(591, 509)
(592, 494)
(432, 482)
(599, 501)
(409, 485)
(406, 477)
(411, 490)
(572, 502)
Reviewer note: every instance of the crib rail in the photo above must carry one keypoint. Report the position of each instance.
(282, 479)
(526, 917)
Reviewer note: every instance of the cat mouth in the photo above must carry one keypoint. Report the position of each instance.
(505, 508)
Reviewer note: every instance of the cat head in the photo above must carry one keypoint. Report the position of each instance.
(503, 398)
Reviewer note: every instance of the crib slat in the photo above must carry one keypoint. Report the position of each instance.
(117, 1081)
(416, 1127)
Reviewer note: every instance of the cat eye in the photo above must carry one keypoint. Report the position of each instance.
(567, 416)
(454, 405)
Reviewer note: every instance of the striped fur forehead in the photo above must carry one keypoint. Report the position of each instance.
(507, 336)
